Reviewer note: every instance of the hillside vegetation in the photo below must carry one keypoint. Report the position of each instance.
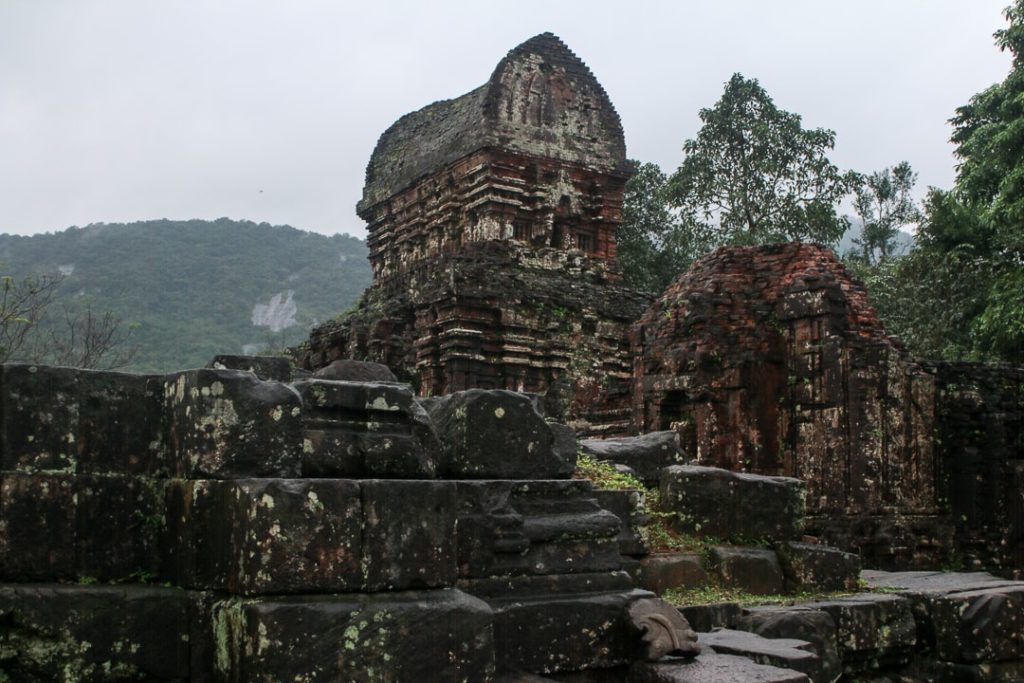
(193, 289)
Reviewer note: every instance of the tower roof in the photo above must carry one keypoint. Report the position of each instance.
(541, 100)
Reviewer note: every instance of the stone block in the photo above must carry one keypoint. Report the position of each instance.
(873, 631)
(442, 635)
(495, 434)
(350, 370)
(551, 632)
(119, 523)
(267, 368)
(37, 527)
(67, 421)
(257, 536)
(659, 573)
(966, 617)
(94, 633)
(628, 506)
(710, 667)
(228, 424)
(646, 455)
(732, 505)
(785, 653)
(360, 429)
(705, 618)
(65, 527)
(409, 537)
(754, 570)
(512, 528)
(813, 626)
(810, 567)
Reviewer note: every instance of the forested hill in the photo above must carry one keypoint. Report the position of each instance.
(193, 289)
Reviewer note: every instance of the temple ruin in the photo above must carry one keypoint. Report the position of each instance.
(258, 521)
(491, 226)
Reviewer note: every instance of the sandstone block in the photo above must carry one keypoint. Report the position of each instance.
(95, 633)
(810, 567)
(733, 505)
(65, 420)
(627, 505)
(710, 667)
(810, 625)
(363, 429)
(513, 528)
(409, 534)
(873, 631)
(406, 637)
(65, 527)
(226, 424)
(267, 368)
(257, 536)
(495, 434)
(754, 570)
(659, 573)
(785, 653)
(646, 455)
(590, 629)
(356, 371)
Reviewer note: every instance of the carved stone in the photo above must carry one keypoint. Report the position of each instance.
(662, 630)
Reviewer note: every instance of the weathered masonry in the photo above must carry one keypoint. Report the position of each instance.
(491, 222)
(770, 360)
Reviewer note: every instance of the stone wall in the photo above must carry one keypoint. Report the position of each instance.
(212, 525)
(979, 441)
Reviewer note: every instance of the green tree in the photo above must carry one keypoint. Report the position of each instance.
(884, 204)
(757, 175)
(654, 243)
(981, 220)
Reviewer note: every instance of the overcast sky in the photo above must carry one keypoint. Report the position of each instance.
(268, 110)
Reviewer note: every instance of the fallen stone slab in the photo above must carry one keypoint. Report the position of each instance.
(96, 633)
(809, 567)
(661, 572)
(441, 635)
(754, 570)
(794, 621)
(785, 653)
(733, 505)
(646, 455)
(267, 368)
(495, 434)
(365, 430)
(225, 424)
(712, 668)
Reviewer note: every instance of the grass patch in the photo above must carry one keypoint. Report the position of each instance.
(604, 475)
(712, 594)
(658, 534)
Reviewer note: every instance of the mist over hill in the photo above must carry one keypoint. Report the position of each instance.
(193, 289)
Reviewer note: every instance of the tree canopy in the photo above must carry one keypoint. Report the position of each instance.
(960, 292)
(757, 175)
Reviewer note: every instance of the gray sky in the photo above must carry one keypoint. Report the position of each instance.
(268, 110)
